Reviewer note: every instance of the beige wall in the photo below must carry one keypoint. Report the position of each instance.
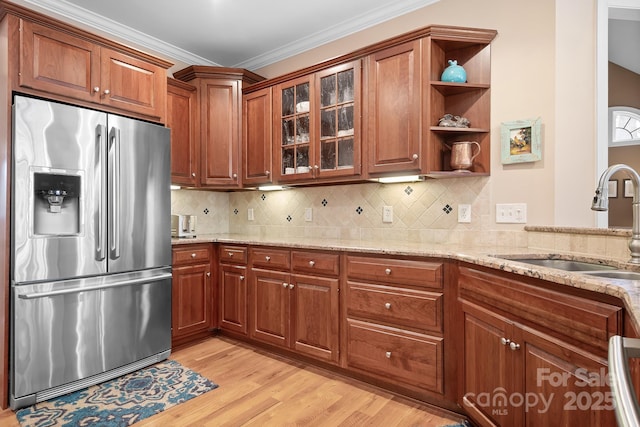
(537, 71)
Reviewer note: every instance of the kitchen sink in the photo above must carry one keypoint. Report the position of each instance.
(616, 274)
(563, 264)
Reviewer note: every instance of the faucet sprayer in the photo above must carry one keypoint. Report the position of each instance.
(601, 203)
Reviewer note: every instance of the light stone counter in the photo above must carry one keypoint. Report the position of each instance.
(626, 290)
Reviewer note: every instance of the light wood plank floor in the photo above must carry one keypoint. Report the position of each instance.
(260, 389)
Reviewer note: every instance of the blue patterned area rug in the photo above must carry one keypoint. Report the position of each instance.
(121, 401)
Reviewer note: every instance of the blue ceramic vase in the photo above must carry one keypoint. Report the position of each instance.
(454, 73)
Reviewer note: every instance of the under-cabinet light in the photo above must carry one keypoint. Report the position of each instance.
(175, 187)
(396, 179)
(270, 187)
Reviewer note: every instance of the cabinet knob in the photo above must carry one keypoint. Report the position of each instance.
(414, 157)
(235, 175)
(267, 173)
(285, 285)
(316, 167)
(312, 263)
(193, 174)
(388, 306)
(107, 92)
(268, 258)
(388, 354)
(504, 341)
(241, 278)
(208, 274)
(193, 255)
(291, 285)
(230, 254)
(387, 271)
(96, 89)
(514, 346)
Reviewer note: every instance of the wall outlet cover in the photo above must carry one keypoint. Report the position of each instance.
(387, 214)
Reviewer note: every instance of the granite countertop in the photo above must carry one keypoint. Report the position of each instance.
(494, 257)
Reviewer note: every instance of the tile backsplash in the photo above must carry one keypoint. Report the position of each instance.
(211, 208)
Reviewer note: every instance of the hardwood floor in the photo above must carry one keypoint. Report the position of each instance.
(261, 389)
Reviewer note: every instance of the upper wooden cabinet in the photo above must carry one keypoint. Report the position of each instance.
(71, 66)
(220, 99)
(182, 119)
(317, 125)
(257, 163)
(375, 112)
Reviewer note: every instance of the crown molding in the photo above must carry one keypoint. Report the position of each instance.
(89, 20)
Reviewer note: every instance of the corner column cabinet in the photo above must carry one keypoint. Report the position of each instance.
(294, 301)
(547, 348)
(393, 321)
(233, 288)
(220, 98)
(182, 119)
(317, 125)
(73, 65)
(192, 315)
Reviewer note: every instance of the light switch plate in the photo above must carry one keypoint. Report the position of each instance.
(511, 213)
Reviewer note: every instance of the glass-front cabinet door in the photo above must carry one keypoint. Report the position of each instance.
(317, 125)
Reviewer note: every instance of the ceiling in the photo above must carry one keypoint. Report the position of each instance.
(232, 33)
(624, 34)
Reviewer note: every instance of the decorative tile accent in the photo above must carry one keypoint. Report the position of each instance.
(206, 211)
(289, 218)
(235, 211)
(263, 197)
(408, 190)
(447, 209)
(324, 202)
(359, 210)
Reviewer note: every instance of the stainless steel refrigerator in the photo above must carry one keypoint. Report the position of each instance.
(91, 248)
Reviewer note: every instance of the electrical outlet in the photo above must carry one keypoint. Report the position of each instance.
(250, 214)
(387, 214)
(464, 213)
(511, 213)
(308, 214)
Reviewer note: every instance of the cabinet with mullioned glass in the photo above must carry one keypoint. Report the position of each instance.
(317, 125)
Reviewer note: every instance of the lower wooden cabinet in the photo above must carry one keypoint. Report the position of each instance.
(393, 321)
(295, 311)
(233, 288)
(517, 373)
(192, 315)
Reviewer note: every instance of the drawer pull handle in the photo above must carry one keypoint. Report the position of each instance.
(388, 306)
(388, 354)
(284, 285)
(291, 285)
(505, 341)
(230, 254)
(387, 271)
(193, 255)
(241, 278)
(268, 258)
(312, 263)
(514, 346)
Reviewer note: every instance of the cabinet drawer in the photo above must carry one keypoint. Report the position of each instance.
(400, 306)
(191, 254)
(396, 355)
(315, 262)
(279, 259)
(233, 254)
(396, 271)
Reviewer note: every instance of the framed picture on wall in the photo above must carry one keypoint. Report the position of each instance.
(628, 188)
(613, 188)
(520, 141)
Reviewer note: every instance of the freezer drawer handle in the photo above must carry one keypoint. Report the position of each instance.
(96, 288)
(626, 406)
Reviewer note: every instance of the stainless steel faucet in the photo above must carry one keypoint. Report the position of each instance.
(601, 203)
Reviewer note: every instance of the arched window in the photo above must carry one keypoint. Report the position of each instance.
(624, 126)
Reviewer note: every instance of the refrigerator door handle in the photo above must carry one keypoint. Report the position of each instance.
(101, 171)
(114, 150)
(128, 282)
